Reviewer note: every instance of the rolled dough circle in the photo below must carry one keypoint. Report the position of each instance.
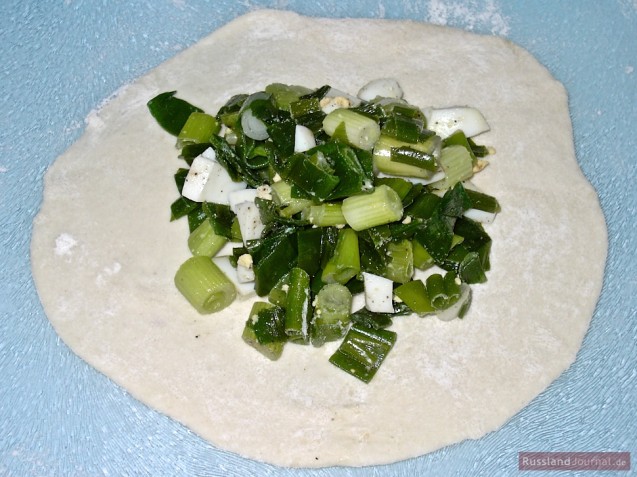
(104, 253)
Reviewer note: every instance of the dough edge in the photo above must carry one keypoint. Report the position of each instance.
(339, 434)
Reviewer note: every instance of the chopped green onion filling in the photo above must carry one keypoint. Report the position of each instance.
(363, 196)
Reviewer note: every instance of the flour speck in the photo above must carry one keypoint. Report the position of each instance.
(64, 244)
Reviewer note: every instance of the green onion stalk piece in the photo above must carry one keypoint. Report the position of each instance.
(204, 241)
(456, 162)
(413, 157)
(362, 351)
(400, 266)
(282, 195)
(359, 130)
(284, 95)
(332, 308)
(325, 215)
(298, 310)
(198, 129)
(385, 160)
(443, 291)
(380, 207)
(414, 295)
(345, 262)
(265, 330)
(422, 259)
(204, 285)
(459, 308)
(278, 295)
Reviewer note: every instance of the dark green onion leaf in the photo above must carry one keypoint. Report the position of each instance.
(236, 165)
(282, 135)
(474, 235)
(478, 150)
(171, 113)
(455, 201)
(401, 186)
(182, 207)
(318, 93)
(195, 217)
(373, 258)
(370, 319)
(423, 206)
(362, 351)
(229, 112)
(190, 151)
(273, 220)
(484, 202)
(310, 244)
(303, 107)
(272, 258)
(371, 110)
(310, 177)
(366, 162)
(436, 236)
(471, 270)
(413, 157)
(221, 218)
(180, 178)
(349, 170)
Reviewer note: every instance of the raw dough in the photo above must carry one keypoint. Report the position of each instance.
(104, 253)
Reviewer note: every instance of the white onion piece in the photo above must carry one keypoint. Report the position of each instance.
(208, 181)
(480, 215)
(237, 197)
(381, 88)
(437, 176)
(378, 293)
(250, 222)
(451, 313)
(197, 178)
(245, 290)
(303, 139)
(253, 127)
(445, 122)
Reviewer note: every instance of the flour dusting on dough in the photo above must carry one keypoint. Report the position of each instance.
(64, 244)
(107, 271)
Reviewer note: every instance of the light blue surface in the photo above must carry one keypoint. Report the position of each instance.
(60, 59)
